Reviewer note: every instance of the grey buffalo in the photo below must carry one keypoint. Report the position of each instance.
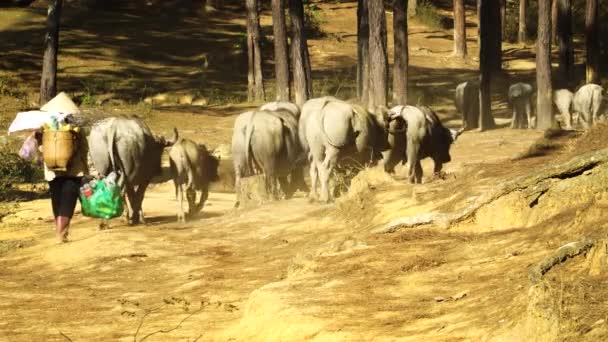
(128, 147)
(562, 98)
(193, 168)
(520, 102)
(426, 137)
(282, 106)
(266, 142)
(466, 100)
(586, 103)
(331, 129)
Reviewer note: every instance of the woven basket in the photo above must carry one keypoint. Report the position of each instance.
(58, 149)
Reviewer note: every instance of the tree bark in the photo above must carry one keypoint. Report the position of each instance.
(363, 52)
(564, 37)
(412, 6)
(522, 35)
(486, 120)
(554, 21)
(48, 81)
(592, 42)
(254, 53)
(497, 40)
(503, 18)
(400, 65)
(544, 108)
(460, 33)
(281, 57)
(302, 81)
(378, 55)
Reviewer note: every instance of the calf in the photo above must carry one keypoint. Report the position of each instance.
(587, 102)
(520, 101)
(193, 168)
(466, 100)
(562, 98)
(426, 137)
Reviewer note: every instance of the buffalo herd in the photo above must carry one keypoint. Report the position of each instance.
(280, 140)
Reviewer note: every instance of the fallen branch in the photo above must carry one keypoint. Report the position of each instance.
(141, 321)
(569, 250)
(572, 168)
(65, 336)
(168, 330)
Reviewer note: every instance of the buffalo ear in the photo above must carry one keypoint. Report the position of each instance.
(172, 141)
(456, 133)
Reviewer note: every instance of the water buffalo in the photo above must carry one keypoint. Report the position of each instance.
(128, 147)
(562, 98)
(466, 100)
(426, 137)
(194, 168)
(282, 106)
(266, 142)
(587, 102)
(330, 129)
(520, 101)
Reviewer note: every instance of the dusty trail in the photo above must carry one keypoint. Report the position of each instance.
(101, 285)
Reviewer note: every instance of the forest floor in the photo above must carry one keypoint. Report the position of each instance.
(294, 270)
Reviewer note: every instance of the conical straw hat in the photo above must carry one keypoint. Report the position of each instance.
(62, 104)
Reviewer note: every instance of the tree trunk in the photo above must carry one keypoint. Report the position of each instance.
(254, 53)
(302, 81)
(503, 18)
(412, 7)
(592, 42)
(554, 21)
(544, 108)
(486, 120)
(522, 35)
(460, 33)
(281, 58)
(401, 52)
(48, 82)
(478, 3)
(496, 58)
(363, 52)
(378, 55)
(564, 36)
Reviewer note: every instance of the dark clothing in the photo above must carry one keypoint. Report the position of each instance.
(64, 194)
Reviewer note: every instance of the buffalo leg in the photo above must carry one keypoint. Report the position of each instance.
(203, 199)
(138, 214)
(325, 170)
(297, 179)
(567, 120)
(191, 197)
(237, 188)
(286, 186)
(595, 110)
(438, 167)
(418, 171)
(179, 196)
(514, 118)
(412, 158)
(529, 114)
(584, 116)
(132, 214)
(314, 175)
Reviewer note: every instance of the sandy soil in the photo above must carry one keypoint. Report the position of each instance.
(294, 270)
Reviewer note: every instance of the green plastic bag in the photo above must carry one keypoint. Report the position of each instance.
(105, 202)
